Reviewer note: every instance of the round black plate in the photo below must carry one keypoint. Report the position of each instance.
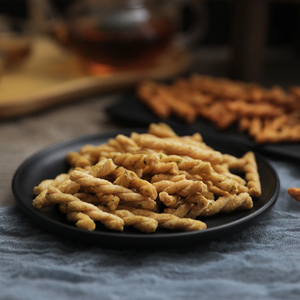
(49, 162)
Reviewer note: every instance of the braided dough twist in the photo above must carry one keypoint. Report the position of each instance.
(170, 221)
(177, 148)
(98, 185)
(72, 203)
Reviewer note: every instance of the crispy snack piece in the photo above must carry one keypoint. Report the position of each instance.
(161, 130)
(111, 201)
(224, 204)
(75, 159)
(167, 168)
(133, 161)
(81, 220)
(98, 185)
(67, 186)
(103, 168)
(71, 203)
(182, 188)
(182, 210)
(177, 148)
(245, 109)
(169, 200)
(54, 182)
(141, 223)
(294, 192)
(251, 175)
(170, 221)
(191, 165)
(130, 180)
(147, 92)
(224, 102)
(218, 113)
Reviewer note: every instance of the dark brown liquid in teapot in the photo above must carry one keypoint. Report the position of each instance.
(119, 47)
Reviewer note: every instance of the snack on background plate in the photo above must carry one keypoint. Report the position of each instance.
(267, 115)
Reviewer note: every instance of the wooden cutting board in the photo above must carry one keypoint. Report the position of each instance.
(52, 76)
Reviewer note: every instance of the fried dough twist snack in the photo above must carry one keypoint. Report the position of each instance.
(150, 180)
(75, 204)
(170, 221)
(177, 148)
(268, 115)
(98, 185)
(294, 192)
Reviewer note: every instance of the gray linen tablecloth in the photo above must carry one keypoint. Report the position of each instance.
(261, 262)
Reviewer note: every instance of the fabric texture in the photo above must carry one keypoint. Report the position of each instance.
(261, 262)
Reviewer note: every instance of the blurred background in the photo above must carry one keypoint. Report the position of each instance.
(252, 40)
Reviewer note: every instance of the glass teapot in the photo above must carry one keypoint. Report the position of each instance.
(122, 33)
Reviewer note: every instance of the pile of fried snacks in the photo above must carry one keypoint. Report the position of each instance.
(266, 115)
(150, 180)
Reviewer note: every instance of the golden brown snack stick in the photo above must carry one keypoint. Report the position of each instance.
(70, 203)
(195, 140)
(288, 133)
(160, 177)
(244, 124)
(130, 180)
(177, 148)
(182, 188)
(252, 175)
(148, 204)
(254, 109)
(218, 113)
(103, 168)
(294, 192)
(111, 201)
(224, 170)
(182, 210)
(184, 110)
(193, 166)
(126, 143)
(167, 199)
(223, 204)
(215, 190)
(65, 186)
(224, 183)
(169, 168)
(98, 185)
(40, 200)
(141, 223)
(255, 127)
(74, 159)
(147, 93)
(133, 161)
(46, 183)
(68, 187)
(81, 220)
(89, 198)
(161, 130)
(169, 221)
(42, 186)
(234, 162)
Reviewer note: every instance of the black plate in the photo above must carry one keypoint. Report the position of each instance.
(50, 162)
(131, 112)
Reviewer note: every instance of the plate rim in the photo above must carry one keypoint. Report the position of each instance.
(81, 139)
